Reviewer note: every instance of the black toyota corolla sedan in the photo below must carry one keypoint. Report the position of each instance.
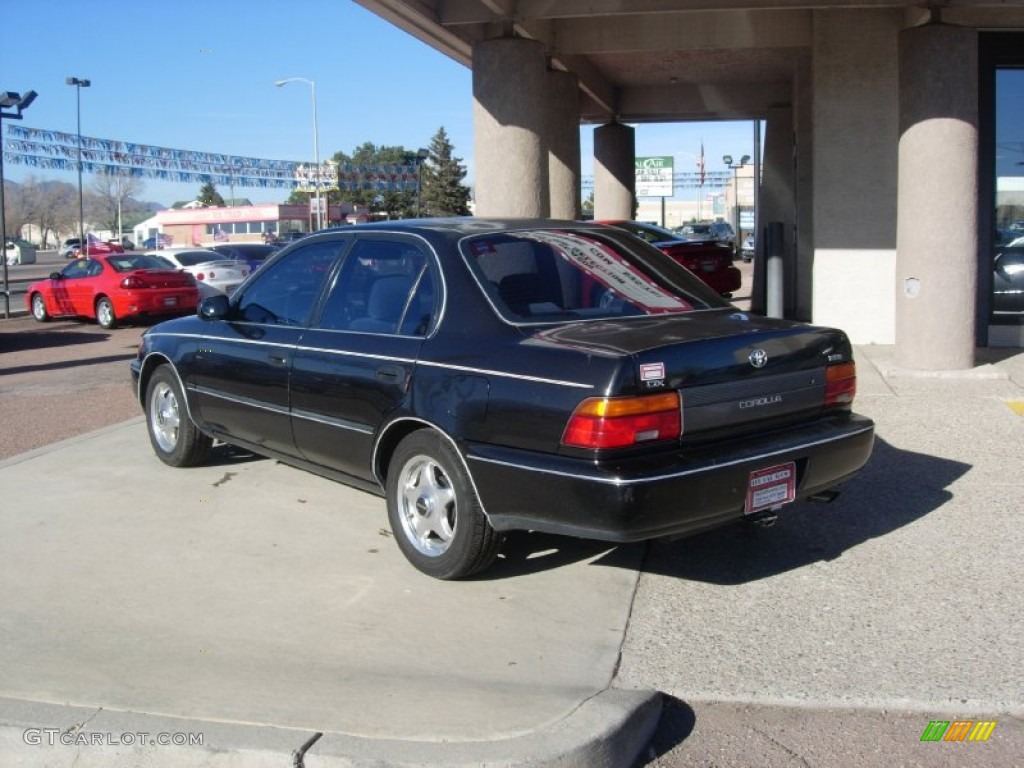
(487, 376)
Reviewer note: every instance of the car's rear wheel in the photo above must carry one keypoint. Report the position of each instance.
(39, 308)
(175, 439)
(434, 512)
(105, 313)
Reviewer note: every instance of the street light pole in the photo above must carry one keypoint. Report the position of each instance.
(8, 99)
(79, 85)
(316, 143)
(421, 158)
(727, 159)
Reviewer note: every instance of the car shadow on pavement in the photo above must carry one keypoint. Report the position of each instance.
(61, 364)
(23, 340)
(223, 455)
(527, 552)
(896, 488)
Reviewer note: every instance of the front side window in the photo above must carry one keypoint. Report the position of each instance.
(76, 269)
(554, 276)
(286, 292)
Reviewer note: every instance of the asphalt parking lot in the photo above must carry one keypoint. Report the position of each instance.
(255, 599)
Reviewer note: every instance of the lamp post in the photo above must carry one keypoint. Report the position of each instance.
(727, 159)
(421, 158)
(9, 99)
(316, 142)
(79, 85)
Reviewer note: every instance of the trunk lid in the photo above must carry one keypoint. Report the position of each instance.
(736, 372)
(163, 278)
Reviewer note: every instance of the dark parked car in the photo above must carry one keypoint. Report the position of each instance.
(708, 259)
(1008, 280)
(487, 376)
(252, 254)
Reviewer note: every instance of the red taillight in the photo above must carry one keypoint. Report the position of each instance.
(614, 422)
(201, 276)
(840, 384)
(133, 281)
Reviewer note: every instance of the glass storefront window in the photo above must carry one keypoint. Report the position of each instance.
(1008, 237)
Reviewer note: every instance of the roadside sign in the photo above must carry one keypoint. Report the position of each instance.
(654, 176)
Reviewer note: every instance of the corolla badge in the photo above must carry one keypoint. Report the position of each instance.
(758, 358)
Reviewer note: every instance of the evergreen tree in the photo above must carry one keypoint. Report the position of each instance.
(442, 192)
(209, 196)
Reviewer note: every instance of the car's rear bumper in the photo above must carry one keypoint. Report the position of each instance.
(672, 493)
(159, 302)
(726, 280)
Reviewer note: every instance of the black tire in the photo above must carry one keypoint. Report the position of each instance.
(175, 439)
(39, 308)
(434, 513)
(105, 313)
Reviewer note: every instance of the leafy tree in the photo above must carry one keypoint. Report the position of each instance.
(392, 203)
(209, 196)
(588, 204)
(442, 192)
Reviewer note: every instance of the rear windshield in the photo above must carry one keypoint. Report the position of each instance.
(127, 262)
(253, 252)
(192, 258)
(543, 276)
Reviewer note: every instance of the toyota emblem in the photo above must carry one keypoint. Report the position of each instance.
(758, 358)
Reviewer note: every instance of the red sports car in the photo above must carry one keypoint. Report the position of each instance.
(113, 286)
(709, 260)
(95, 247)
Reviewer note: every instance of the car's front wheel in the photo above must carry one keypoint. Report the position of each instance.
(175, 439)
(39, 308)
(105, 315)
(434, 513)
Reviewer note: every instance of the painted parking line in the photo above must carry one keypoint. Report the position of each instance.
(1017, 406)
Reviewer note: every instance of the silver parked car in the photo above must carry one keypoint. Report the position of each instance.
(213, 273)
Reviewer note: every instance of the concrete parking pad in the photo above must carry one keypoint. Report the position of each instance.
(251, 593)
(834, 637)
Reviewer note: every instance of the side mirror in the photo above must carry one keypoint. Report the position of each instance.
(214, 307)
(56, 276)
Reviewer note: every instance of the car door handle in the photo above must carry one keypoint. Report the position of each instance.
(392, 374)
(278, 359)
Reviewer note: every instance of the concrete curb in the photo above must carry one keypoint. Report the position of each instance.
(606, 731)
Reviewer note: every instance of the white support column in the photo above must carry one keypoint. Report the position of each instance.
(937, 230)
(510, 150)
(614, 171)
(563, 131)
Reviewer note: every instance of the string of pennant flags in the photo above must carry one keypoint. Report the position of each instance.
(57, 150)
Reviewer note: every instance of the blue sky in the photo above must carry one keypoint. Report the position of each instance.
(199, 76)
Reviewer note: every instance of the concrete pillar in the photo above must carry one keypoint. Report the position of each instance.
(510, 151)
(855, 75)
(563, 133)
(777, 202)
(614, 171)
(937, 208)
(803, 122)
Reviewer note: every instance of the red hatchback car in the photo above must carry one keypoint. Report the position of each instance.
(113, 286)
(709, 260)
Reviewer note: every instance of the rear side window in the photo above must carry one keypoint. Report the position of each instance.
(384, 286)
(554, 276)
